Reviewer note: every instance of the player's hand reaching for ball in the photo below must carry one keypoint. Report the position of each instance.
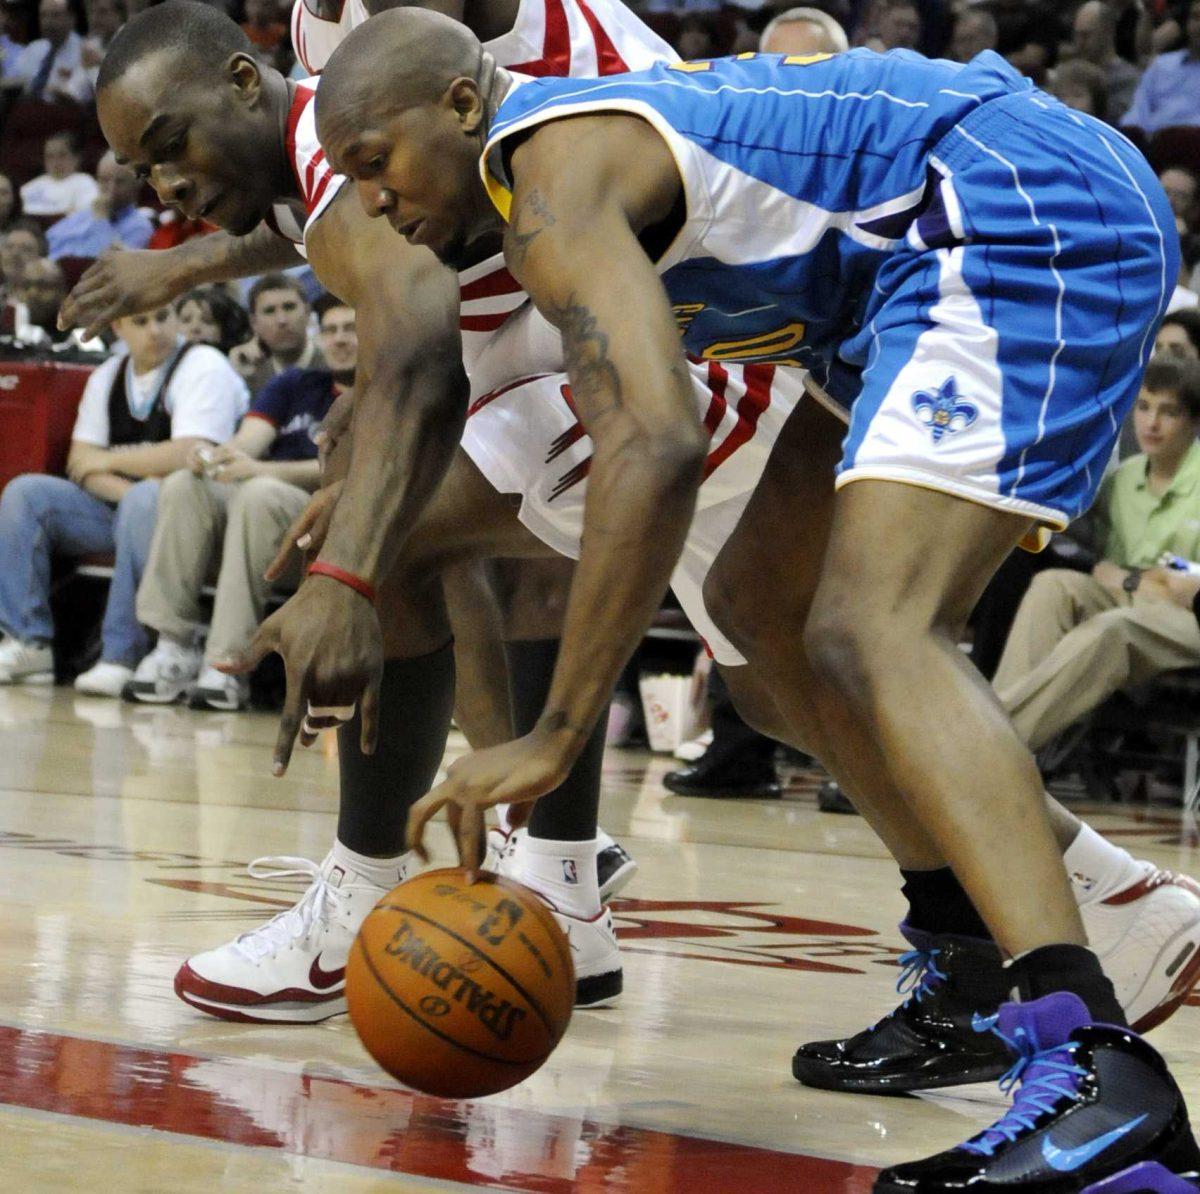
(515, 773)
(119, 282)
(328, 636)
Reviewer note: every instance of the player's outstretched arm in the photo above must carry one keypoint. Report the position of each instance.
(128, 281)
(410, 399)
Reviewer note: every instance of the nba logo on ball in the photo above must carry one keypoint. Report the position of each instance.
(570, 873)
(460, 987)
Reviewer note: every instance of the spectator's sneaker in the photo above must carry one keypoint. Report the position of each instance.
(165, 674)
(594, 950)
(25, 663)
(215, 690)
(615, 866)
(1094, 1112)
(104, 679)
(929, 1041)
(293, 968)
(1147, 937)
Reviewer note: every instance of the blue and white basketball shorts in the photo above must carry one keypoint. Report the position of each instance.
(1005, 342)
(526, 438)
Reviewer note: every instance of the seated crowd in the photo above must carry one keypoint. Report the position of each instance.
(194, 445)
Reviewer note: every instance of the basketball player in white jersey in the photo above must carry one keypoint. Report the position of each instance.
(248, 152)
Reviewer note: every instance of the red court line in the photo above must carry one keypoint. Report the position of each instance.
(238, 1102)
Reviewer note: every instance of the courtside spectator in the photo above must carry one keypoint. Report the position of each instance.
(112, 218)
(1179, 335)
(974, 31)
(1095, 32)
(803, 31)
(22, 243)
(10, 203)
(261, 25)
(64, 188)
(37, 294)
(234, 504)
(694, 39)
(104, 18)
(279, 314)
(51, 68)
(1169, 93)
(1079, 637)
(1182, 187)
(208, 315)
(10, 48)
(899, 26)
(142, 413)
(1082, 86)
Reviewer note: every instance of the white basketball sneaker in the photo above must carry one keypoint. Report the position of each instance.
(599, 978)
(293, 968)
(165, 674)
(1147, 937)
(615, 866)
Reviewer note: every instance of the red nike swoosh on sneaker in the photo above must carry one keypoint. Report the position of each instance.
(322, 980)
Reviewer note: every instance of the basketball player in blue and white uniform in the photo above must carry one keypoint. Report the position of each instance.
(973, 274)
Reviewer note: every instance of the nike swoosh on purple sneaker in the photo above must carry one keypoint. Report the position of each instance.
(322, 980)
(1067, 1160)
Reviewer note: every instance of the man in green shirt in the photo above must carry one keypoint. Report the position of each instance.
(1079, 637)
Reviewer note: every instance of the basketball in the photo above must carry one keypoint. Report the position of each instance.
(460, 989)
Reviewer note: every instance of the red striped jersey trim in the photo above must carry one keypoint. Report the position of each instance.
(489, 286)
(750, 408)
(483, 323)
(608, 60)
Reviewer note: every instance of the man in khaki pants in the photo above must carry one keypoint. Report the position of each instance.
(236, 500)
(1077, 638)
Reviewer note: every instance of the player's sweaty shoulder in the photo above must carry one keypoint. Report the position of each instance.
(598, 161)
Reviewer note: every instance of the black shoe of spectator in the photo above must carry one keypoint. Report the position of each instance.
(725, 779)
(831, 799)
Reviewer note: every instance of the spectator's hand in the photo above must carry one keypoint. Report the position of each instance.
(227, 463)
(1112, 577)
(1166, 585)
(332, 649)
(334, 426)
(245, 358)
(513, 773)
(198, 459)
(119, 282)
(307, 534)
(83, 462)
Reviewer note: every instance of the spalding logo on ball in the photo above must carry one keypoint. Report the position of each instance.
(460, 989)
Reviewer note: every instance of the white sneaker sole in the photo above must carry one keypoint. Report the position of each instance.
(255, 1010)
(28, 678)
(1156, 963)
(152, 696)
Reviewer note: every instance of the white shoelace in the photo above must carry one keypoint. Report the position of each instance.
(296, 922)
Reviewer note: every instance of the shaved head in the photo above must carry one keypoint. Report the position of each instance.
(402, 58)
(206, 35)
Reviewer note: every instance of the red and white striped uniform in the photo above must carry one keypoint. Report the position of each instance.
(583, 38)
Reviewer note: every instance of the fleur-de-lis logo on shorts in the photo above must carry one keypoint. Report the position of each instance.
(942, 412)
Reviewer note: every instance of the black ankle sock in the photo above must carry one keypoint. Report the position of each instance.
(568, 814)
(416, 698)
(937, 903)
(1073, 968)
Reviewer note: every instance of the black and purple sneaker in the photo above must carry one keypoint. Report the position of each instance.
(1094, 1112)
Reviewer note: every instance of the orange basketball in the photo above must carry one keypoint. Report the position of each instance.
(460, 989)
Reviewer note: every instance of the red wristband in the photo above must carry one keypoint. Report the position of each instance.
(320, 568)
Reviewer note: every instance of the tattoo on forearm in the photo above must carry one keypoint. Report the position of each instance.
(532, 218)
(593, 374)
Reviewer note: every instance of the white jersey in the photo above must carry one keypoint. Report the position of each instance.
(583, 38)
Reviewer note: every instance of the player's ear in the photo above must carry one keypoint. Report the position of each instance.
(242, 72)
(467, 103)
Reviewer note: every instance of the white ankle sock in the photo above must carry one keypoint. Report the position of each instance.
(383, 872)
(563, 872)
(1097, 868)
(502, 817)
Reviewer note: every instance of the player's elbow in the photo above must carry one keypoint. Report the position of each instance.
(678, 455)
